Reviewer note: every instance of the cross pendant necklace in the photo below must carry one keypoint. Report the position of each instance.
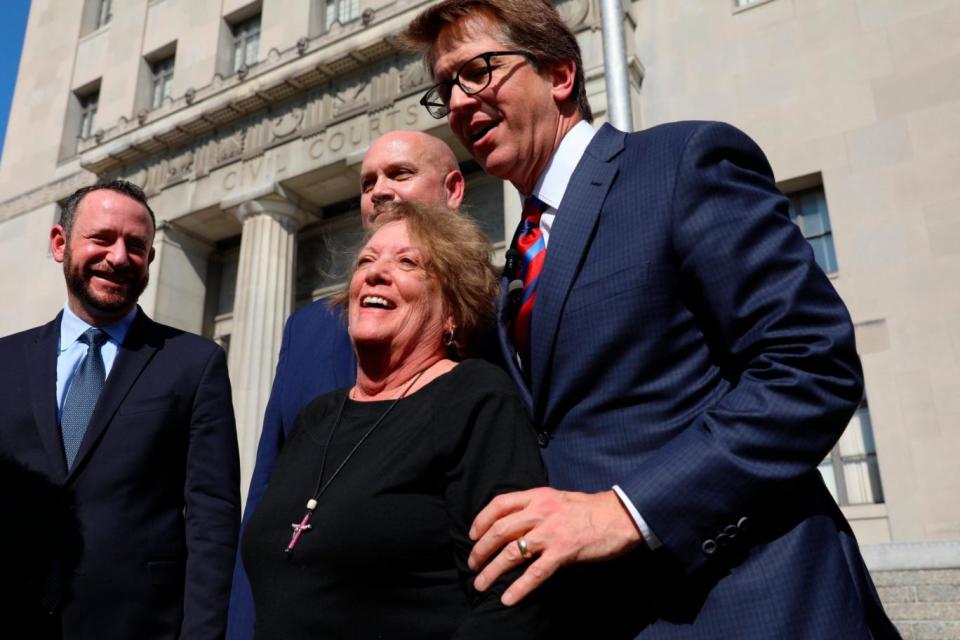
(304, 526)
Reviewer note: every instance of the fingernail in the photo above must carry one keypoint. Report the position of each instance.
(507, 599)
(479, 585)
(473, 533)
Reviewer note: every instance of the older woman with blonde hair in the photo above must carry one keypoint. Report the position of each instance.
(363, 530)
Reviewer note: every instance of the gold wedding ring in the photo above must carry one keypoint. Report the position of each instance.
(524, 549)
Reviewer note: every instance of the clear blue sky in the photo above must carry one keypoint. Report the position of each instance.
(13, 22)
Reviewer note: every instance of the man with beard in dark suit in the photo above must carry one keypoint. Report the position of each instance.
(125, 429)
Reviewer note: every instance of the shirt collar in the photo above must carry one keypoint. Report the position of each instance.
(72, 327)
(554, 180)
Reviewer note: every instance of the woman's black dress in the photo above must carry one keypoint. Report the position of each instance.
(387, 553)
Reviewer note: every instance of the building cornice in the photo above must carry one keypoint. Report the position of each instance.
(306, 65)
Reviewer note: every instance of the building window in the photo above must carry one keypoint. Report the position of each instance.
(88, 113)
(162, 81)
(104, 13)
(246, 42)
(808, 209)
(342, 11)
(850, 471)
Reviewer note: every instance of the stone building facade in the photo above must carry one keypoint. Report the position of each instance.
(246, 122)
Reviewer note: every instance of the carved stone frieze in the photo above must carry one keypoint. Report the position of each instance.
(352, 95)
(179, 167)
(313, 110)
(413, 74)
(287, 122)
(229, 147)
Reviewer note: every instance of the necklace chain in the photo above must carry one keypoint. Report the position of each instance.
(304, 524)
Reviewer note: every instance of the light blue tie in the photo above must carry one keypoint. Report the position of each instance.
(83, 394)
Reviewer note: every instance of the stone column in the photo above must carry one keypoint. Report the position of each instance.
(178, 278)
(264, 298)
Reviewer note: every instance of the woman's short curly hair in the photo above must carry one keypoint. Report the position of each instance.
(457, 254)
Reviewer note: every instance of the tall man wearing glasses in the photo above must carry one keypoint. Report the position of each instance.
(687, 363)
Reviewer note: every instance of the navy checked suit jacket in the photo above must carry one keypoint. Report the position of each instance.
(686, 347)
(137, 540)
(315, 357)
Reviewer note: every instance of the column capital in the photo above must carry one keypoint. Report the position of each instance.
(274, 201)
(173, 233)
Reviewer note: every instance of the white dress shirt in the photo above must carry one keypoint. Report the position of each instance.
(550, 189)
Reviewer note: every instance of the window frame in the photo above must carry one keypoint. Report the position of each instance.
(797, 198)
(333, 12)
(161, 78)
(837, 462)
(89, 104)
(243, 33)
(104, 14)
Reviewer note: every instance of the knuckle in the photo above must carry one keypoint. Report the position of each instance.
(538, 572)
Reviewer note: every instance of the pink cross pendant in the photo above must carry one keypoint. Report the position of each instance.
(301, 527)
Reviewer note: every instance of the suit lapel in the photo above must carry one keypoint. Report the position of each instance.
(570, 236)
(133, 356)
(41, 370)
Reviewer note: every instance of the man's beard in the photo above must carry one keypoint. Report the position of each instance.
(78, 283)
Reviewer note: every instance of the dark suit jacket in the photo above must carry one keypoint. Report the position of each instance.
(686, 347)
(148, 516)
(315, 357)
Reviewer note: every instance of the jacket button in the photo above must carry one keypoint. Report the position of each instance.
(709, 547)
(731, 531)
(543, 438)
(743, 524)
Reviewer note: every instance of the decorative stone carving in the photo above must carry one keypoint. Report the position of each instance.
(179, 167)
(229, 147)
(190, 95)
(413, 74)
(142, 116)
(302, 45)
(287, 123)
(350, 96)
(367, 17)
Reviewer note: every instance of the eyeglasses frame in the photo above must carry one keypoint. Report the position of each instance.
(455, 80)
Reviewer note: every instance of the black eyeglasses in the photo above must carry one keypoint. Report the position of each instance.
(472, 77)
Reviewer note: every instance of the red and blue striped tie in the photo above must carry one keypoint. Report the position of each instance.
(533, 252)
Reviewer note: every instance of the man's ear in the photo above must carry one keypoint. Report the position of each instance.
(454, 186)
(563, 74)
(58, 242)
